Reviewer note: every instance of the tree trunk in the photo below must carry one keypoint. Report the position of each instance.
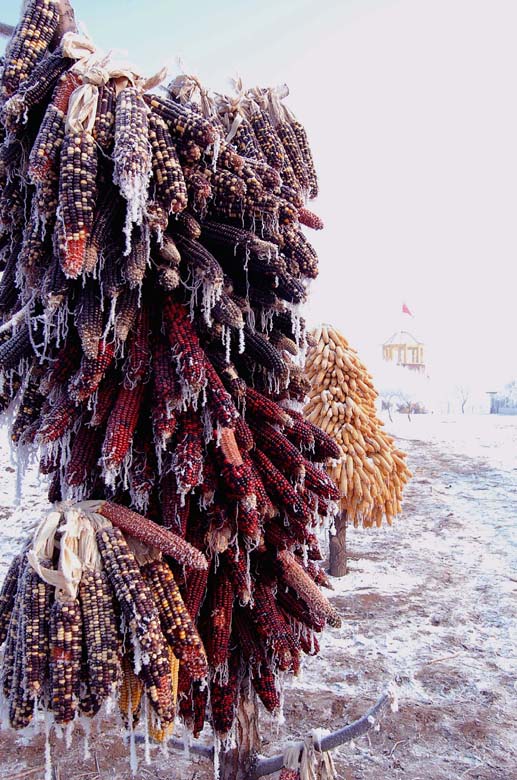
(338, 566)
(236, 764)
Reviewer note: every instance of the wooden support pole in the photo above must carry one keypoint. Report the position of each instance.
(267, 766)
(337, 547)
(238, 762)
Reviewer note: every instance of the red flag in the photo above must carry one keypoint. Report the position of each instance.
(405, 310)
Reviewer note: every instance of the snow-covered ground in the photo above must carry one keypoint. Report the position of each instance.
(429, 604)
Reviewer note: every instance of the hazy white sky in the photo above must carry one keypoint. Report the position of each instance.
(411, 108)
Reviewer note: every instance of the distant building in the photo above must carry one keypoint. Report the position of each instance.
(404, 350)
(505, 402)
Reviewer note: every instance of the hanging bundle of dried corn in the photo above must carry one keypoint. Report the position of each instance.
(83, 622)
(370, 471)
(153, 354)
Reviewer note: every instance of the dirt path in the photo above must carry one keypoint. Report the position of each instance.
(430, 605)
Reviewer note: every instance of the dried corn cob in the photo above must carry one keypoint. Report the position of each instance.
(224, 696)
(309, 219)
(303, 143)
(65, 658)
(131, 692)
(121, 425)
(29, 409)
(8, 595)
(270, 625)
(57, 417)
(188, 453)
(34, 89)
(176, 623)
(182, 122)
(265, 683)
(185, 343)
(294, 576)
(38, 597)
(238, 564)
(278, 448)
(91, 372)
(125, 313)
(132, 152)
(15, 349)
(29, 42)
(45, 153)
(171, 190)
(101, 642)
(77, 193)
(148, 532)
(138, 258)
(278, 486)
(266, 136)
(135, 599)
(220, 606)
(104, 126)
(88, 318)
(84, 455)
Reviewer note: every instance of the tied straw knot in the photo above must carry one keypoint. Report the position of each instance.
(95, 69)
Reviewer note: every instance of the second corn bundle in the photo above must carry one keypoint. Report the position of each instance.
(371, 471)
(151, 346)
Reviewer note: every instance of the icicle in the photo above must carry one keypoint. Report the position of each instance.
(48, 755)
(147, 746)
(87, 726)
(217, 749)
(69, 730)
(242, 341)
(111, 317)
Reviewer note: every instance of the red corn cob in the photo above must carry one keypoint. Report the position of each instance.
(243, 436)
(320, 483)
(265, 684)
(239, 573)
(105, 397)
(309, 219)
(278, 486)
(121, 425)
(278, 448)
(224, 697)
(289, 774)
(83, 455)
(194, 591)
(188, 454)
(296, 608)
(175, 506)
(193, 706)
(166, 392)
(185, 344)
(91, 372)
(294, 576)
(146, 531)
(270, 624)
(265, 408)
(220, 404)
(139, 357)
(56, 419)
(220, 625)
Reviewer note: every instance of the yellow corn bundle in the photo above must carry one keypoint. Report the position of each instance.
(371, 471)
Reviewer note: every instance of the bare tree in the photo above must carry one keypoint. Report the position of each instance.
(463, 393)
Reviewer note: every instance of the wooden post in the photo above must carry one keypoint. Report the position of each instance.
(337, 544)
(237, 763)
